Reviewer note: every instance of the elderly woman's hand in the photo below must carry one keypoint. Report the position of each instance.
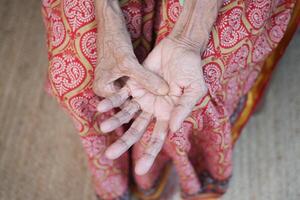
(180, 66)
(116, 60)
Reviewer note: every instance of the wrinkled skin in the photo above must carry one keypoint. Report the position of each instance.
(115, 57)
(179, 64)
(116, 60)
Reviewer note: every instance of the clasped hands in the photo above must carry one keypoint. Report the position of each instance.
(165, 88)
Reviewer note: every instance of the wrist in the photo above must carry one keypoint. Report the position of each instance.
(109, 16)
(195, 45)
(195, 22)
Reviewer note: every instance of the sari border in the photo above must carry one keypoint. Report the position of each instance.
(257, 91)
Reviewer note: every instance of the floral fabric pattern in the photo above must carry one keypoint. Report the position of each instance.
(243, 36)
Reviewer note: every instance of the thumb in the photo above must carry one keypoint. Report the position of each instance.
(185, 105)
(148, 80)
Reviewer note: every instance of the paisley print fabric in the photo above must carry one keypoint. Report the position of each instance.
(244, 34)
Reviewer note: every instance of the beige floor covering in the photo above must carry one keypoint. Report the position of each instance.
(40, 153)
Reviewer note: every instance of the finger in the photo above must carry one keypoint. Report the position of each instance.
(149, 80)
(130, 137)
(155, 145)
(113, 101)
(122, 117)
(185, 105)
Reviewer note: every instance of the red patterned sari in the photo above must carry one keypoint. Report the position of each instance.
(245, 43)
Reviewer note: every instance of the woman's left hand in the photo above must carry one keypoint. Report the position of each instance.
(180, 66)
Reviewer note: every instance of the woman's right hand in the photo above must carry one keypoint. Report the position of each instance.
(116, 59)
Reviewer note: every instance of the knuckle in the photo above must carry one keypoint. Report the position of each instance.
(134, 133)
(124, 142)
(126, 113)
(134, 130)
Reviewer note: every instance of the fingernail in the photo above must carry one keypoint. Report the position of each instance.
(102, 106)
(109, 125)
(112, 152)
(142, 167)
(105, 127)
(109, 154)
